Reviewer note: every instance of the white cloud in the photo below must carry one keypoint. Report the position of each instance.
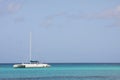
(49, 20)
(8, 7)
(113, 13)
(13, 7)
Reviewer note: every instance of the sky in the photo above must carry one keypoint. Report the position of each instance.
(63, 31)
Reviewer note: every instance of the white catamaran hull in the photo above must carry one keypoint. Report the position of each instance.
(30, 65)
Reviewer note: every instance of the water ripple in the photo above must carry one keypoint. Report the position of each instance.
(67, 78)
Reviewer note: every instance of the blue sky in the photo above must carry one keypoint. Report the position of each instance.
(62, 30)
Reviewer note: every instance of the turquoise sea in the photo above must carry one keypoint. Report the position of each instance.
(63, 71)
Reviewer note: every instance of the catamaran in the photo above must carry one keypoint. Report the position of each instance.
(31, 64)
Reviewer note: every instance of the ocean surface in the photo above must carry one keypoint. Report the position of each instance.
(63, 71)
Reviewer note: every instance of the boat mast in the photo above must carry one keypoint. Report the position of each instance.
(30, 45)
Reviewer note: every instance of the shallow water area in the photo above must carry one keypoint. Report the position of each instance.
(62, 71)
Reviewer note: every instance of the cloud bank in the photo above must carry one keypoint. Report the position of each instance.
(111, 14)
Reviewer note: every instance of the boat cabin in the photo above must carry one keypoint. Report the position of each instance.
(34, 62)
